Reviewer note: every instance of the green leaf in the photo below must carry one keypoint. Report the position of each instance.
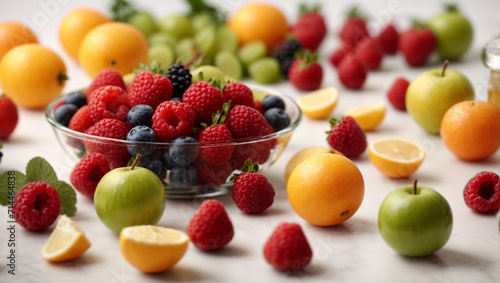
(1, 145)
(121, 10)
(38, 169)
(15, 178)
(67, 196)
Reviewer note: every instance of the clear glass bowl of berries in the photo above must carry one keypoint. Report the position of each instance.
(191, 142)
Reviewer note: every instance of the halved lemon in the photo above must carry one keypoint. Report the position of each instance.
(368, 116)
(152, 248)
(319, 104)
(396, 157)
(66, 242)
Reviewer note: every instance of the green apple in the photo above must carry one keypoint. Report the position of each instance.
(453, 31)
(179, 26)
(415, 220)
(129, 196)
(432, 92)
(144, 22)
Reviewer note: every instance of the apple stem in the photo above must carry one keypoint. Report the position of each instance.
(415, 186)
(136, 161)
(445, 64)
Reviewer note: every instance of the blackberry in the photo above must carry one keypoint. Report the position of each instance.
(180, 77)
(285, 54)
(277, 118)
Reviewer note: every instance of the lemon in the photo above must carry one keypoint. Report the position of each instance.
(368, 116)
(396, 157)
(303, 154)
(152, 248)
(319, 104)
(66, 242)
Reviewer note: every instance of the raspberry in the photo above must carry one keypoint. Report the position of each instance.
(37, 206)
(252, 192)
(116, 154)
(212, 152)
(108, 102)
(173, 119)
(149, 89)
(180, 78)
(211, 174)
(8, 117)
(258, 106)
(347, 137)
(210, 228)
(287, 248)
(81, 121)
(106, 77)
(397, 94)
(204, 99)
(88, 172)
(482, 192)
(239, 94)
(285, 54)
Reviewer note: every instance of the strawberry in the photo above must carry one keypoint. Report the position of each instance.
(8, 117)
(388, 39)
(305, 73)
(205, 99)
(339, 54)
(149, 88)
(238, 93)
(347, 137)
(354, 28)
(397, 94)
(310, 28)
(370, 53)
(417, 44)
(352, 72)
(105, 77)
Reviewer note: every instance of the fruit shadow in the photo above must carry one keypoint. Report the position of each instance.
(180, 274)
(86, 259)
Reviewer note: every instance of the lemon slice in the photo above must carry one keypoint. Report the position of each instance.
(396, 157)
(66, 242)
(368, 116)
(319, 104)
(152, 248)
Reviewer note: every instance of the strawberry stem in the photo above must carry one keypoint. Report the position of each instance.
(445, 65)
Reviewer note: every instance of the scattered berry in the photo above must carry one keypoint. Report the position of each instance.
(285, 54)
(287, 248)
(64, 113)
(183, 176)
(173, 119)
(370, 53)
(347, 137)
(305, 73)
(338, 55)
(482, 192)
(108, 102)
(8, 117)
(352, 72)
(277, 118)
(88, 172)
(204, 99)
(417, 44)
(238, 94)
(184, 150)
(106, 77)
(388, 39)
(149, 88)
(354, 28)
(210, 228)
(76, 98)
(144, 138)
(140, 114)
(180, 77)
(272, 101)
(37, 206)
(310, 28)
(397, 94)
(81, 120)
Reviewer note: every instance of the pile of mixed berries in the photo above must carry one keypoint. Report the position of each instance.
(186, 132)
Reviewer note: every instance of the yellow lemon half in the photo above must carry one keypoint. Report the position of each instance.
(319, 104)
(368, 116)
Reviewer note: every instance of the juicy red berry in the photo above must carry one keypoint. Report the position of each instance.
(211, 174)
(388, 39)
(338, 55)
(150, 89)
(81, 121)
(305, 74)
(37, 206)
(352, 72)
(106, 77)
(212, 151)
(347, 137)
(252, 192)
(397, 94)
(287, 248)
(210, 228)
(417, 45)
(204, 99)
(88, 172)
(173, 119)
(482, 193)
(353, 30)
(239, 94)
(108, 102)
(370, 53)
(258, 106)
(8, 117)
(247, 122)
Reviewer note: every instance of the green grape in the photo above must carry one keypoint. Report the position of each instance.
(162, 38)
(229, 64)
(208, 72)
(179, 26)
(202, 20)
(128, 78)
(144, 22)
(252, 52)
(265, 70)
(259, 94)
(185, 49)
(162, 54)
(226, 40)
(206, 41)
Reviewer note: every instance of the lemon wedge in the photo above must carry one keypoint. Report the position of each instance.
(368, 116)
(319, 104)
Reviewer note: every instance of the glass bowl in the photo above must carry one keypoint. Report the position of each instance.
(212, 180)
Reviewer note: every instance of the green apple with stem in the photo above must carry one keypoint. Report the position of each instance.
(433, 92)
(415, 220)
(129, 196)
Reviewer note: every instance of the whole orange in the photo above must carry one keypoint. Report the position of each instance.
(13, 34)
(326, 189)
(259, 21)
(76, 25)
(471, 129)
(32, 75)
(113, 45)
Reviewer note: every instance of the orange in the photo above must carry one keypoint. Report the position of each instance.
(302, 155)
(326, 189)
(113, 45)
(76, 25)
(259, 21)
(471, 129)
(13, 34)
(32, 75)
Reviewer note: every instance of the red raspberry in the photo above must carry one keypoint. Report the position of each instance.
(148, 88)
(81, 120)
(252, 192)
(482, 193)
(388, 39)
(8, 117)
(108, 102)
(88, 172)
(287, 248)
(210, 228)
(204, 99)
(37, 206)
(352, 72)
(338, 55)
(397, 94)
(211, 174)
(173, 119)
(347, 137)
(212, 152)
(116, 154)
(370, 53)
(238, 93)
(106, 77)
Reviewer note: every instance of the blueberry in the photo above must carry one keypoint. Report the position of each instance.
(277, 118)
(140, 115)
(167, 161)
(76, 98)
(144, 136)
(175, 98)
(184, 150)
(183, 176)
(272, 101)
(64, 113)
(155, 165)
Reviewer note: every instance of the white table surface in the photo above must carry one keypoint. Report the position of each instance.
(350, 252)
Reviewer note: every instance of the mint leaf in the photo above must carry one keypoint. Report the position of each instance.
(38, 169)
(67, 196)
(7, 179)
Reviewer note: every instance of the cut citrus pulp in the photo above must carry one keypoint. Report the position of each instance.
(368, 116)
(319, 104)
